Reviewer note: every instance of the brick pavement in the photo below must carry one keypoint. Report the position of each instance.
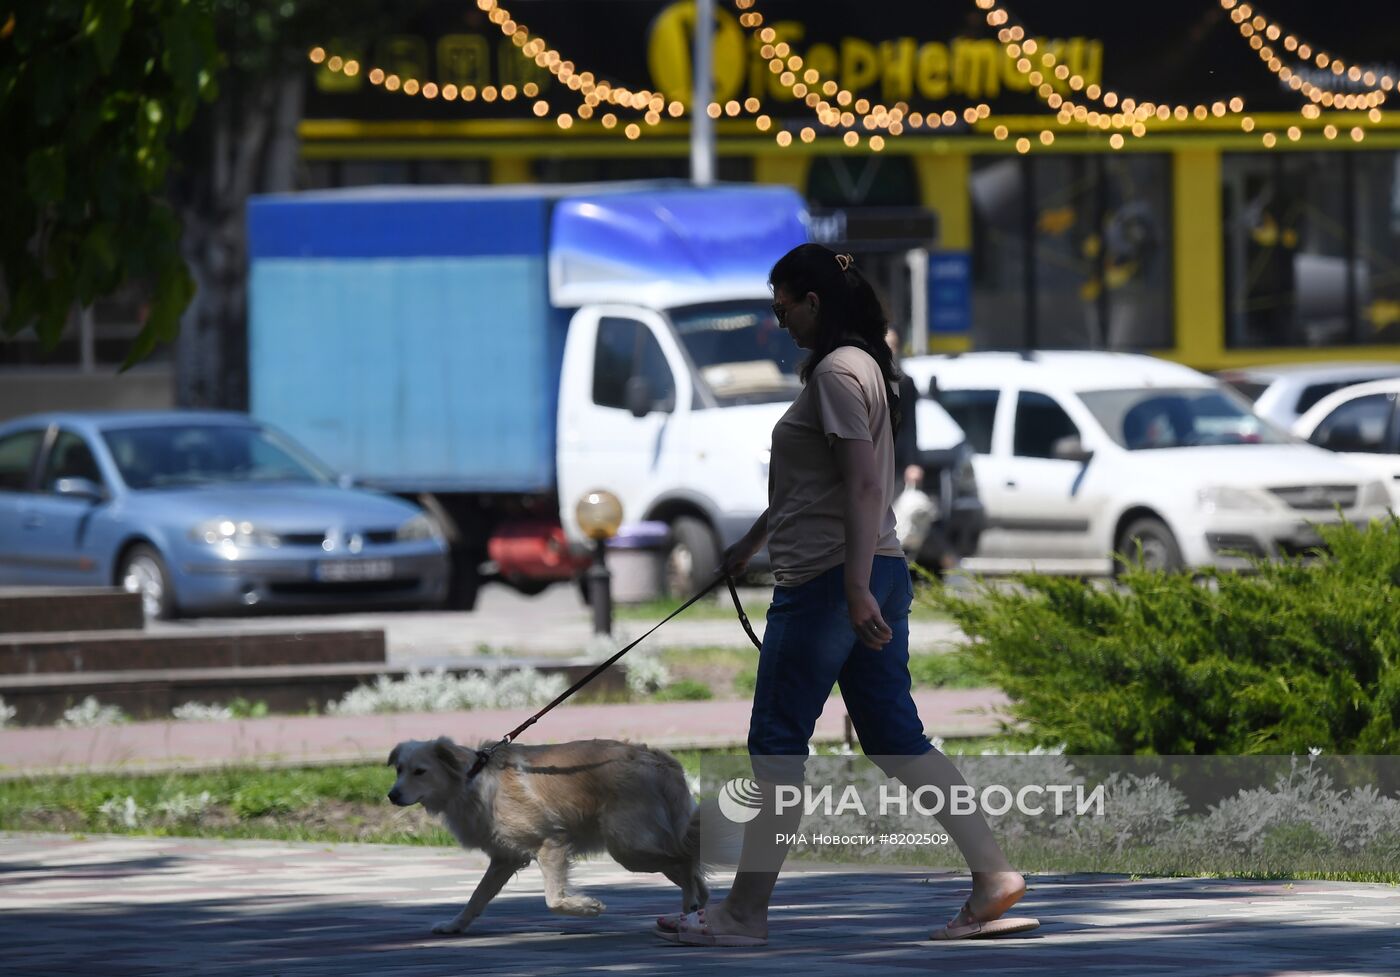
(122, 907)
(304, 739)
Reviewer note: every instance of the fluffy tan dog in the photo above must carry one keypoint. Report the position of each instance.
(550, 803)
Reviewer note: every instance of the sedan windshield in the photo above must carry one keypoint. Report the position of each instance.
(195, 454)
(1154, 417)
(740, 351)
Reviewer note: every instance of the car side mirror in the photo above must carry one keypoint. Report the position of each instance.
(80, 488)
(1070, 448)
(639, 397)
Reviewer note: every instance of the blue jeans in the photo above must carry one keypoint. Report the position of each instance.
(808, 647)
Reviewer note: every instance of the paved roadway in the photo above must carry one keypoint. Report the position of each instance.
(123, 907)
(554, 623)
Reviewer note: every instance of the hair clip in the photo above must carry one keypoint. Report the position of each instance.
(845, 261)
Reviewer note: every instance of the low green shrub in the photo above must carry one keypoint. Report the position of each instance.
(1296, 654)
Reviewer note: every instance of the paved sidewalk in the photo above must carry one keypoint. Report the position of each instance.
(122, 907)
(304, 739)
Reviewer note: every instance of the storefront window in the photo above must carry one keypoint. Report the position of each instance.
(1072, 252)
(1000, 281)
(1377, 247)
(1287, 228)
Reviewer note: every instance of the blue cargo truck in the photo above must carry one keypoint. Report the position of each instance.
(496, 353)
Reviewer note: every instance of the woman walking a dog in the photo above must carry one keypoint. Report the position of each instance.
(840, 610)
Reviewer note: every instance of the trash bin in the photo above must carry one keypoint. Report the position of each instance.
(637, 561)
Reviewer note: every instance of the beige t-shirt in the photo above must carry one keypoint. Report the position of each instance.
(845, 397)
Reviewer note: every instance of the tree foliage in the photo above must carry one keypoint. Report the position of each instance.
(92, 93)
(243, 144)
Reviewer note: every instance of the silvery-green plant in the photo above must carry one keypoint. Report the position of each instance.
(201, 712)
(90, 712)
(436, 691)
(1137, 811)
(6, 713)
(646, 673)
(125, 812)
(184, 807)
(1305, 804)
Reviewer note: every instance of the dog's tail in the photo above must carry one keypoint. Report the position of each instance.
(711, 839)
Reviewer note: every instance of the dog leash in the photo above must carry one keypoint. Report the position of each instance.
(484, 756)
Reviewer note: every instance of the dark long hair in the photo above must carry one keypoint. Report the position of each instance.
(850, 312)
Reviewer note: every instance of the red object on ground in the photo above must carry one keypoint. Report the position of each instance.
(534, 549)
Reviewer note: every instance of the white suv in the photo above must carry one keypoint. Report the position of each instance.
(1081, 455)
(1361, 424)
(1284, 393)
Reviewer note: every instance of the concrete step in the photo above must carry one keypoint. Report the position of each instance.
(41, 699)
(27, 610)
(114, 651)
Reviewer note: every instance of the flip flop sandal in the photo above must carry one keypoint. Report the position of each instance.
(692, 931)
(964, 927)
(668, 927)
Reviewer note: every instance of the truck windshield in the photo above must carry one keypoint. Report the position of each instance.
(741, 353)
(1154, 417)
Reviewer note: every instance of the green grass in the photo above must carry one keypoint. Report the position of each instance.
(683, 690)
(347, 804)
(731, 671)
(945, 670)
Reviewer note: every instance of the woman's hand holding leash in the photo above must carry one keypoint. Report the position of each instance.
(866, 619)
(736, 559)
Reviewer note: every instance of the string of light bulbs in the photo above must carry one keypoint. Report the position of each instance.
(1261, 33)
(1123, 113)
(838, 108)
(593, 93)
(818, 94)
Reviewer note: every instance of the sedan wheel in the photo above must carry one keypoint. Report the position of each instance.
(143, 572)
(1159, 551)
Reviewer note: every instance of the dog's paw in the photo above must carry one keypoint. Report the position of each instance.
(448, 926)
(578, 906)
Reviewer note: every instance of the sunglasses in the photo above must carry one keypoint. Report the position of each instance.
(780, 312)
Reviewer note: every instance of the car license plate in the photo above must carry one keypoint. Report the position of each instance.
(341, 571)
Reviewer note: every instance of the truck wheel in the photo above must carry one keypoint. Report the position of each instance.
(693, 557)
(1159, 548)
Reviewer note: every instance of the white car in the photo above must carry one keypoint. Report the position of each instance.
(1285, 392)
(1362, 424)
(1079, 456)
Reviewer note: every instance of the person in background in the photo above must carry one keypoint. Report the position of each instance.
(906, 441)
(937, 550)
